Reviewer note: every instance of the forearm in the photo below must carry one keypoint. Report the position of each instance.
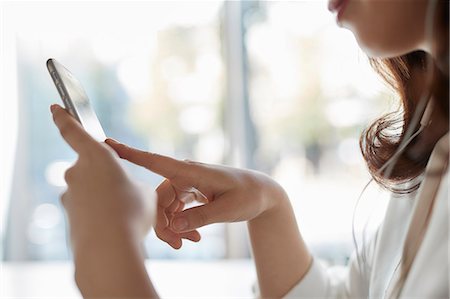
(112, 269)
(280, 254)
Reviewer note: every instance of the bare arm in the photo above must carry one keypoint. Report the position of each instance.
(280, 254)
(112, 268)
(108, 217)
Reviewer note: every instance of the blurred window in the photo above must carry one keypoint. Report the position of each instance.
(311, 94)
(154, 73)
(159, 73)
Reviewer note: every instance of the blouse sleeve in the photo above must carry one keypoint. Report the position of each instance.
(349, 281)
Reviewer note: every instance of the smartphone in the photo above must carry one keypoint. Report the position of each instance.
(75, 99)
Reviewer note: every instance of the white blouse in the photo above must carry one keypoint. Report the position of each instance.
(429, 274)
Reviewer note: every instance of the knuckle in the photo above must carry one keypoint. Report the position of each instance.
(64, 128)
(151, 156)
(202, 217)
(148, 156)
(63, 199)
(189, 162)
(193, 163)
(254, 181)
(69, 175)
(249, 179)
(162, 186)
(195, 167)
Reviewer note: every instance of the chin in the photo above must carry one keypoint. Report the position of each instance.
(383, 49)
(379, 53)
(380, 42)
(383, 53)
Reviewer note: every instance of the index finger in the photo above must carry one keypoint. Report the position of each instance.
(159, 164)
(183, 174)
(71, 130)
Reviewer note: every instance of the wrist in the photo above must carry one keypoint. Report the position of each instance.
(92, 256)
(112, 268)
(274, 197)
(277, 245)
(96, 242)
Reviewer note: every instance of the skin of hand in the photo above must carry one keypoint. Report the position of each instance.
(228, 195)
(108, 217)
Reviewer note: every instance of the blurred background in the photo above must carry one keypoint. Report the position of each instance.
(272, 86)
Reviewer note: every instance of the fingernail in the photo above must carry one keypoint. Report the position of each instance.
(113, 141)
(53, 107)
(180, 223)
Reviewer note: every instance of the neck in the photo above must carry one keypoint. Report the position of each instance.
(418, 86)
(436, 42)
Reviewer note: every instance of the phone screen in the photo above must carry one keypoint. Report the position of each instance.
(75, 99)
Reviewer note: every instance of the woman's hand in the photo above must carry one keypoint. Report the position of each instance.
(228, 194)
(100, 199)
(108, 217)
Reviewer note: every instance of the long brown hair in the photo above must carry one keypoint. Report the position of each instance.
(382, 138)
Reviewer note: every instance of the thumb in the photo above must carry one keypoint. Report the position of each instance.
(196, 217)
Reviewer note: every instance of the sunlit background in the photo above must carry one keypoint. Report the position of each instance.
(272, 86)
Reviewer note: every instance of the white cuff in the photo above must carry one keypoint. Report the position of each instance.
(313, 285)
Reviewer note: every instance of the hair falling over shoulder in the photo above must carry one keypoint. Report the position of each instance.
(380, 140)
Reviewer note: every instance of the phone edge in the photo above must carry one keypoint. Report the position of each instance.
(64, 95)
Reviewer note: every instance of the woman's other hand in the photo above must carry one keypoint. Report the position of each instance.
(100, 199)
(227, 194)
(108, 217)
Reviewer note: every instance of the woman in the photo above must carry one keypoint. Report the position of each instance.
(109, 216)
